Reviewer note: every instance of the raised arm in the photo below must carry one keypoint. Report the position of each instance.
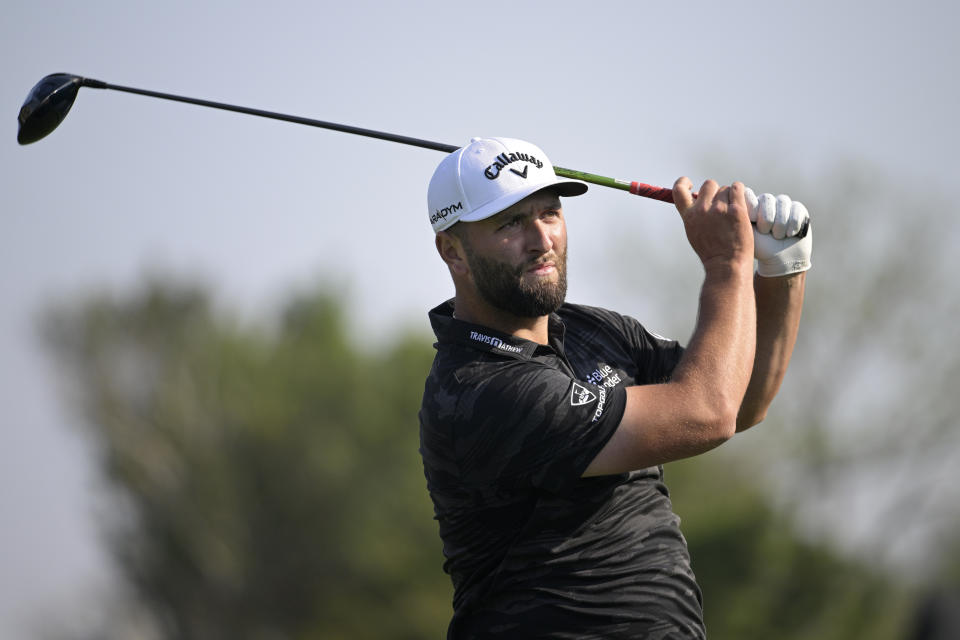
(782, 262)
(697, 409)
(779, 301)
(743, 340)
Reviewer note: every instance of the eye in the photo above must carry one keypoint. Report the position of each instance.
(511, 223)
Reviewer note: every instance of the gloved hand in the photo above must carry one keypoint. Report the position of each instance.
(778, 250)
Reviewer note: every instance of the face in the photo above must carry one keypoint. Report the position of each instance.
(518, 258)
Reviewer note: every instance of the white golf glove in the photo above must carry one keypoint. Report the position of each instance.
(778, 250)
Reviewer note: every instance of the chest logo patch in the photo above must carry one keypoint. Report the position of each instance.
(580, 395)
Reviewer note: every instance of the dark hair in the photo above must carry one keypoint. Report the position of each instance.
(458, 230)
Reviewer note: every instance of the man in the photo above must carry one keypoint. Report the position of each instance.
(544, 424)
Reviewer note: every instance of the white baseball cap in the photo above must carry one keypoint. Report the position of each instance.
(487, 176)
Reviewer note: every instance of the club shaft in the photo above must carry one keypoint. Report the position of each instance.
(370, 133)
(637, 188)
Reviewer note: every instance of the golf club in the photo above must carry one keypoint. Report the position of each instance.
(50, 100)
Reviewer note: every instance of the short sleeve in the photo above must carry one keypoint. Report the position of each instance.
(531, 424)
(654, 356)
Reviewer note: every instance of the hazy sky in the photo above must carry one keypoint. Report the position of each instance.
(256, 208)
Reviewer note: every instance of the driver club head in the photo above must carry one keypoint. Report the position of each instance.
(46, 106)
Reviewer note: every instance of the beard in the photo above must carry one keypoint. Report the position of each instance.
(502, 286)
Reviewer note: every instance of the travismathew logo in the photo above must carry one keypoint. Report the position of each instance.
(580, 395)
(494, 342)
(442, 214)
(501, 161)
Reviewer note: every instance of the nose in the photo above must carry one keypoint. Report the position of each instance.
(539, 237)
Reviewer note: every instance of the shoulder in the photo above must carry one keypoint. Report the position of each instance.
(579, 316)
(597, 336)
(570, 312)
(464, 371)
(597, 324)
(601, 320)
(462, 380)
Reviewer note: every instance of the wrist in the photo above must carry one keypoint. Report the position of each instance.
(778, 287)
(780, 267)
(784, 280)
(729, 268)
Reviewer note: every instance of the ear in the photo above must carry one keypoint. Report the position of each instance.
(451, 251)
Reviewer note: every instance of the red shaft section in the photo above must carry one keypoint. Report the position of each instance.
(650, 191)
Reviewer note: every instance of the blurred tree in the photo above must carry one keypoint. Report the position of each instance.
(268, 485)
(760, 579)
(861, 446)
(867, 427)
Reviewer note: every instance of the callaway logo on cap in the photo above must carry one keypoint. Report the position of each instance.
(487, 176)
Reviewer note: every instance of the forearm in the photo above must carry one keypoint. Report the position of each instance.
(779, 304)
(697, 409)
(717, 365)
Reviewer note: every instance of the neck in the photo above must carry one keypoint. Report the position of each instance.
(476, 312)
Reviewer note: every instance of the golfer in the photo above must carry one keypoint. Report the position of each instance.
(544, 424)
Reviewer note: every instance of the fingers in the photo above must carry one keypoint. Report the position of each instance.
(779, 230)
(716, 223)
(797, 219)
(766, 212)
(682, 194)
(710, 196)
(752, 203)
(738, 201)
(777, 216)
(735, 198)
(709, 191)
(722, 196)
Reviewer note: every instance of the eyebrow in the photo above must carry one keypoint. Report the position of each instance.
(506, 214)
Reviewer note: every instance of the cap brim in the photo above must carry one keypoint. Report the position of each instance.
(567, 188)
(563, 186)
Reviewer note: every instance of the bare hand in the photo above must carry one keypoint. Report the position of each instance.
(717, 222)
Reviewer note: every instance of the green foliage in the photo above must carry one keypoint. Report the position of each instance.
(760, 580)
(269, 485)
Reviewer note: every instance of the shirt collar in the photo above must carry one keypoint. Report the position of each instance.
(450, 329)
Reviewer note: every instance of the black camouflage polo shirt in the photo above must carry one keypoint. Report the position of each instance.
(507, 428)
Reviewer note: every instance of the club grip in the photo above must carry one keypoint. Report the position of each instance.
(666, 195)
(650, 191)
